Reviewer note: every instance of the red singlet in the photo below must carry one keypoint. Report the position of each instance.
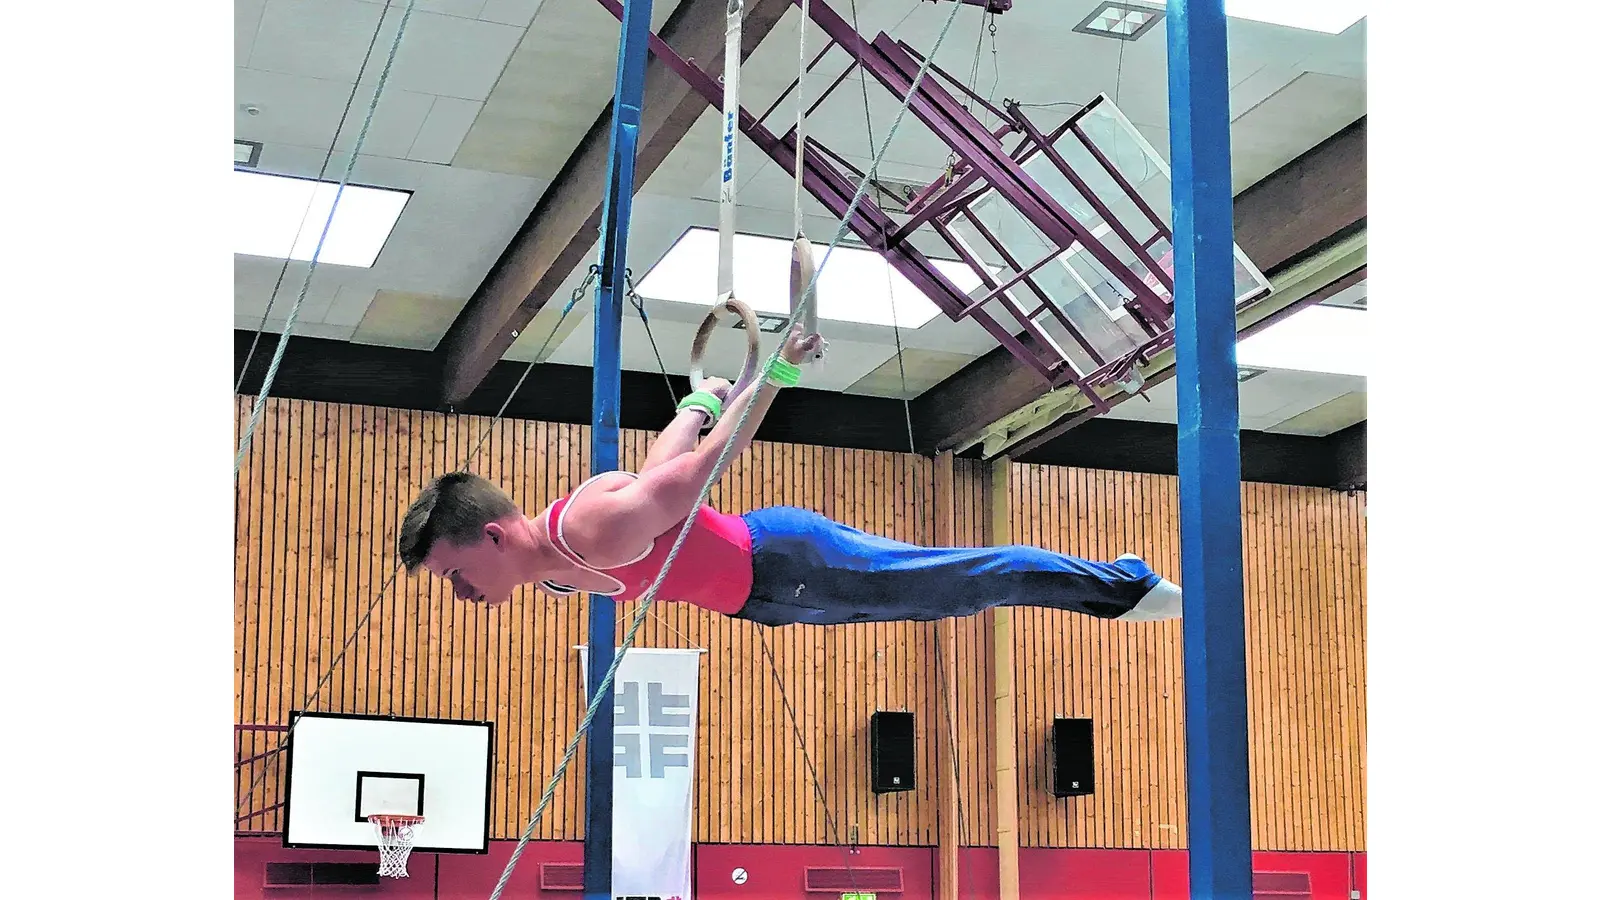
(712, 570)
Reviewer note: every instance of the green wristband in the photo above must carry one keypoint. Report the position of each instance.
(783, 373)
(705, 401)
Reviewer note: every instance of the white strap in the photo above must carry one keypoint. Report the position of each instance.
(800, 121)
(556, 526)
(802, 266)
(728, 198)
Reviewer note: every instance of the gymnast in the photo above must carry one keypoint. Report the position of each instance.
(775, 566)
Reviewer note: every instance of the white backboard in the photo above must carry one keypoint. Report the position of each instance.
(344, 768)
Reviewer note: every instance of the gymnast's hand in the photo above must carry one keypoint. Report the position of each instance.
(800, 345)
(717, 387)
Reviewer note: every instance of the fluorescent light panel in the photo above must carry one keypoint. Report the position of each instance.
(1315, 339)
(1118, 20)
(853, 287)
(767, 324)
(283, 218)
(246, 153)
(1125, 21)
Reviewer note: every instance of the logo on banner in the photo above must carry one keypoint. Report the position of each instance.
(653, 729)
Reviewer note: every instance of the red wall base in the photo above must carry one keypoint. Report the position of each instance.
(1331, 874)
(759, 872)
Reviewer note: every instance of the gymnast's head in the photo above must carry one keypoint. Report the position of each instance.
(466, 530)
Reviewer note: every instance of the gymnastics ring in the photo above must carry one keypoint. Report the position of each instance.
(802, 269)
(726, 311)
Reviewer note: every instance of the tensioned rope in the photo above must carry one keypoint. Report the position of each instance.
(806, 315)
(472, 455)
(283, 339)
(603, 688)
(316, 254)
(941, 668)
(311, 202)
(944, 670)
(383, 592)
(777, 676)
(728, 198)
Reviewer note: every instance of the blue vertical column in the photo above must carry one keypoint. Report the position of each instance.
(1208, 453)
(629, 97)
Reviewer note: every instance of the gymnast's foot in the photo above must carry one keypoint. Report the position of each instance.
(1162, 602)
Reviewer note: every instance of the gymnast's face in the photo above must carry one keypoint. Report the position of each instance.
(483, 572)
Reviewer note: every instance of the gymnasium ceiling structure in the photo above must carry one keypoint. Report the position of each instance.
(487, 153)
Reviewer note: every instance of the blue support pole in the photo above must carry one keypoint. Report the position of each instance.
(599, 762)
(1208, 453)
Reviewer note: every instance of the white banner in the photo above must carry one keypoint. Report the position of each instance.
(657, 699)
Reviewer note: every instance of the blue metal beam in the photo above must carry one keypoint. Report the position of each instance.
(599, 762)
(1217, 743)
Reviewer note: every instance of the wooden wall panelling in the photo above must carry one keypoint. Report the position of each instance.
(1305, 621)
(319, 499)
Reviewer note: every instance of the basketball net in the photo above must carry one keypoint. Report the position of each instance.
(395, 837)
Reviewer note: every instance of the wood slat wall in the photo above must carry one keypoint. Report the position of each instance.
(324, 485)
(1305, 616)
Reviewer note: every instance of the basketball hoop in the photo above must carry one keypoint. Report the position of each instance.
(395, 836)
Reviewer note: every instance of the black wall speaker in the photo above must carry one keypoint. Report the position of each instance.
(1072, 746)
(894, 752)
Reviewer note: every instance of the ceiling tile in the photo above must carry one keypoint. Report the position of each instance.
(510, 12)
(246, 22)
(1327, 418)
(448, 56)
(380, 171)
(316, 38)
(401, 319)
(1292, 120)
(454, 228)
(396, 122)
(349, 305)
(441, 133)
(296, 109)
(1263, 83)
(552, 89)
(923, 370)
(469, 9)
(258, 281)
(1343, 54)
(439, 54)
(1278, 394)
(274, 329)
(515, 144)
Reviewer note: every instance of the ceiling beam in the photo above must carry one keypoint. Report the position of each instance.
(562, 229)
(1315, 199)
(1311, 203)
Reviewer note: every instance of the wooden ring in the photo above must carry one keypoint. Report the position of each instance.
(802, 269)
(727, 311)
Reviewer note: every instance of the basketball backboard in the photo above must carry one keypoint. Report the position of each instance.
(344, 768)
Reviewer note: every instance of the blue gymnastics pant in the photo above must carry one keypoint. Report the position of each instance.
(811, 570)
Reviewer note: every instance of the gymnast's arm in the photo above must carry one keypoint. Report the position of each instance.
(680, 435)
(620, 523)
